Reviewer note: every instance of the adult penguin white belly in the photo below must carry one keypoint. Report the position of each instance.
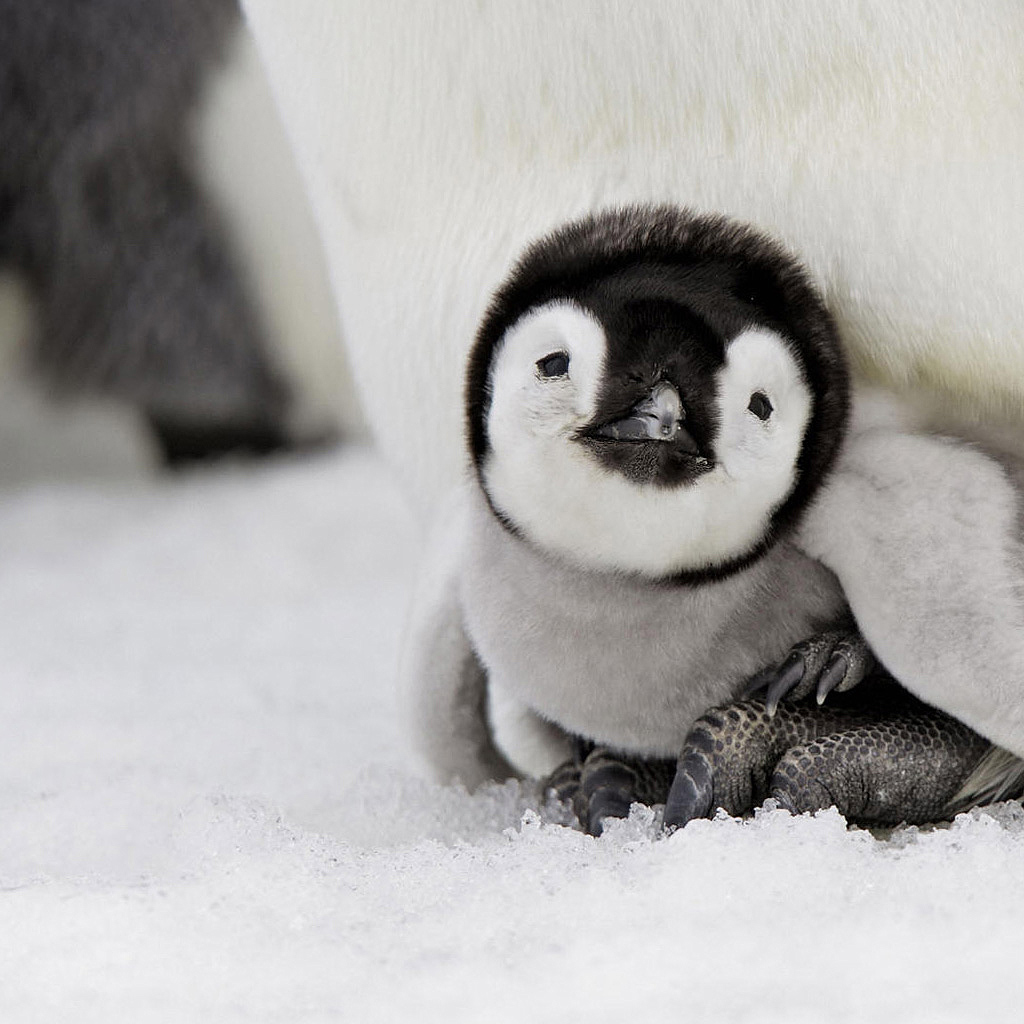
(882, 142)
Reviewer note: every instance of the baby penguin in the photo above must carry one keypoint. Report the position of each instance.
(656, 402)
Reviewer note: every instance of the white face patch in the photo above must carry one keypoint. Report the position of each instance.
(525, 403)
(759, 456)
(539, 475)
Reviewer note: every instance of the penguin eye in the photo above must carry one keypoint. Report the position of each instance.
(760, 406)
(554, 365)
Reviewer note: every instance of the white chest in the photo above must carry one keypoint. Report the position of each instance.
(624, 662)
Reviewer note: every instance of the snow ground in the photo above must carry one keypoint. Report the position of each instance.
(209, 814)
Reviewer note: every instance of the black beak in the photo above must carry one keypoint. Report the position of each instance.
(658, 417)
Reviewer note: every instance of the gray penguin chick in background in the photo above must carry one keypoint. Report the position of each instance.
(138, 294)
(665, 499)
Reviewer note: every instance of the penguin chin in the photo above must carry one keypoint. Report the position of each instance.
(600, 520)
(650, 463)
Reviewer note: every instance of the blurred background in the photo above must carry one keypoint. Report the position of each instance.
(163, 297)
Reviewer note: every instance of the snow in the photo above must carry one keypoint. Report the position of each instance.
(209, 813)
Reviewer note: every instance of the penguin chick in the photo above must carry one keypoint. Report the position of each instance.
(653, 399)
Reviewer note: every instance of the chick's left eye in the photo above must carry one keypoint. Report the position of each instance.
(554, 365)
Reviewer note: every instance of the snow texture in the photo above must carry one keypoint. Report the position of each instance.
(210, 814)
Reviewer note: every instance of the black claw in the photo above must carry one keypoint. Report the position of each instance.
(783, 800)
(834, 673)
(691, 793)
(791, 672)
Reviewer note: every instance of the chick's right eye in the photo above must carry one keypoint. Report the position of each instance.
(554, 365)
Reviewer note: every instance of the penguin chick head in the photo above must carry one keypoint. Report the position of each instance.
(655, 392)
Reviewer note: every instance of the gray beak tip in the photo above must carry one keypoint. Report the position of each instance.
(658, 417)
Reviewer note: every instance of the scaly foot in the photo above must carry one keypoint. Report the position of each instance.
(883, 759)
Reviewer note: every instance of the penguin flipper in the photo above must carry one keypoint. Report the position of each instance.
(922, 533)
(443, 681)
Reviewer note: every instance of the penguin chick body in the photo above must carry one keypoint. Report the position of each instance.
(652, 401)
(619, 659)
